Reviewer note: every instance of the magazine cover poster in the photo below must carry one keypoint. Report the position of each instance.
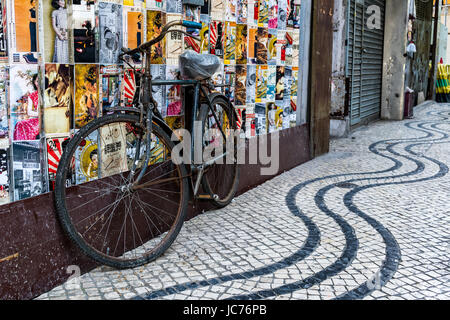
(252, 12)
(84, 31)
(289, 43)
(174, 41)
(230, 10)
(251, 84)
(58, 98)
(24, 102)
(133, 33)
(159, 92)
(273, 13)
(157, 4)
(110, 90)
(4, 177)
(260, 119)
(173, 92)
(281, 84)
(134, 3)
(174, 6)
(271, 82)
(24, 35)
(4, 125)
(86, 94)
(3, 32)
(230, 43)
(27, 169)
(241, 112)
(287, 83)
(282, 14)
(250, 121)
(155, 22)
(204, 39)
(218, 9)
(295, 48)
(273, 43)
(263, 13)
(218, 78)
(240, 85)
(55, 148)
(57, 36)
(261, 44)
(242, 11)
(274, 117)
(113, 150)
(241, 44)
(261, 83)
(294, 82)
(230, 75)
(294, 14)
(87, 159)
(281, 48)
(110, 32)
(217, 38)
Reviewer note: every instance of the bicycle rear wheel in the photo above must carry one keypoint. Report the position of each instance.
(221, 179)
(108, 220)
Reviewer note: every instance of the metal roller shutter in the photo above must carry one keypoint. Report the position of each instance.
(364, 61)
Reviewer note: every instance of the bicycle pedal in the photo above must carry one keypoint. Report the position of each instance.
(204, 197)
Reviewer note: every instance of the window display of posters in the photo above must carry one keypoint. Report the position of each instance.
(86, 94)
(27, 169)
(260, 119)
(84, 31)
(155, 21)
(218, 9)
(4, 126)
(55, 148)
(110, 32)
(24, 102)
(217, 38)
(174, 6)
(86, 160)
(58, 98)
(4, 177)
(110, 84)
(174, 42)
(240, 85)
(242, 11)
(3, 32)
(241, 44)
(57, 38)
(133, 32)
(230, 43)
(173, 93)
(113, 146)
(251, 84)
(23, 32)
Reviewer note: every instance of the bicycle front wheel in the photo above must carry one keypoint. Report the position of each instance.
(99, 208)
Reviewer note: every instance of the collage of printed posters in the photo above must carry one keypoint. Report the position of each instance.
(27, 169)
(58, 98)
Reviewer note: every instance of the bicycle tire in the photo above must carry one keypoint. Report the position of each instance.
(221, 181)
(72, 223)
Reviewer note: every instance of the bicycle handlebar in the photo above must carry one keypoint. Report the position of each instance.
(165, 30)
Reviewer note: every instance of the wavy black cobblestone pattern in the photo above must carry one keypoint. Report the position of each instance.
(393, 253)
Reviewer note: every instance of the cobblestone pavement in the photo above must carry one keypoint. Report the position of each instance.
(370, 220)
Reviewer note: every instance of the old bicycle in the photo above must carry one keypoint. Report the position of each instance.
(130, 202)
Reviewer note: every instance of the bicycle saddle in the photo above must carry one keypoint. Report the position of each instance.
(197, 66)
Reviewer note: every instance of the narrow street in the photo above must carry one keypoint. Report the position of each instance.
(369, 220)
